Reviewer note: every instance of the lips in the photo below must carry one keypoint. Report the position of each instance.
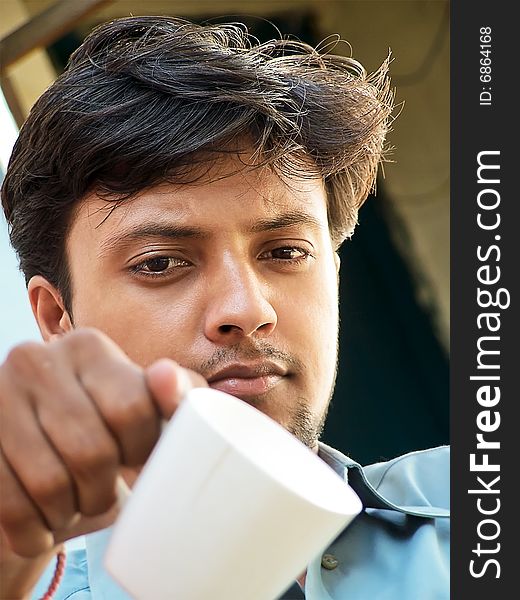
(247, 380)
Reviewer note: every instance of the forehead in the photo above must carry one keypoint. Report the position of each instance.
(225, 198)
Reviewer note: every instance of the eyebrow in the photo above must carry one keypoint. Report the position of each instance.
(295, 217)
(151, 230)
(155, 230)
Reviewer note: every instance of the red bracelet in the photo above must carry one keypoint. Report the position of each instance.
(56, 578)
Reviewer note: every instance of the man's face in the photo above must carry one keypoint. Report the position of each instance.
(233, 277)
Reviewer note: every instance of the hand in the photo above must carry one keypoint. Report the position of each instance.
(72, 413)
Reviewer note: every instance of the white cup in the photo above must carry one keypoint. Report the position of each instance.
(230, 506)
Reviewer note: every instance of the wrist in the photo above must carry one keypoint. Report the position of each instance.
(19, 575)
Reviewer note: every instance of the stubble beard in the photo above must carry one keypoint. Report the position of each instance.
(303, 423)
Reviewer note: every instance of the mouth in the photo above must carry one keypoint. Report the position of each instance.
(247, 380)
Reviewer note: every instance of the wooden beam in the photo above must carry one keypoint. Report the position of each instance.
(44, 28)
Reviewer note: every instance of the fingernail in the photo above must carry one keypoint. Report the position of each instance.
(183, 383)
(123, 492)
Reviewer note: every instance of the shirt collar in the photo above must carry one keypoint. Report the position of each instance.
(353, 473)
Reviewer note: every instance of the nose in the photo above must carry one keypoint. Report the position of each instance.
(238, 305)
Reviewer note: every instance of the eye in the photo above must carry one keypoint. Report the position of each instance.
(287, 254)
(159, 266)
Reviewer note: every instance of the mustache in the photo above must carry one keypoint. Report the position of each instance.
(248, 352)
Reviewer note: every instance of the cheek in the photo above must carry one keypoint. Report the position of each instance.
(146, 324)
(310, 320)
(323, 303)
(323, 332)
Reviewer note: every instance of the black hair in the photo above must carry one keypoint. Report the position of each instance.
(144, 99)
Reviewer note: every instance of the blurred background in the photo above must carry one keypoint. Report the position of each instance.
(392, 393)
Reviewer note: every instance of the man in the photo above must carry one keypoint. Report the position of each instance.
(177, 198)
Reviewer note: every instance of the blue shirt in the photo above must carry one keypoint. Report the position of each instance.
(396, 549)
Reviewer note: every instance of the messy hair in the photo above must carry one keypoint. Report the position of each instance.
(144, 98)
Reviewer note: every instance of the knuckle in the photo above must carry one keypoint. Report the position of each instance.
(31, 550)
(51, 488)
(123, 397)
(87, 339)
(28, 538)
(96, 457)
(13, 514)
(131, 412)
(30, 365)
(93, 350)
(24, 356)
(105, 499)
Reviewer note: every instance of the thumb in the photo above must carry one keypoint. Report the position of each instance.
(169, 382)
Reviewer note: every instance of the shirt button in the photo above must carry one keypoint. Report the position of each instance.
(329, 561)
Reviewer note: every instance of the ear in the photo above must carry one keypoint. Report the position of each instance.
(48, 308)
